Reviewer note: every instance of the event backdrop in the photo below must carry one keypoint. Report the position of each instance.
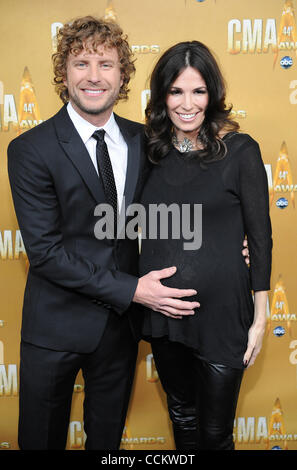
(256, 45)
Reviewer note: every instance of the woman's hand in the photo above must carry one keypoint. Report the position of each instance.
(255, 340)
(257, 330)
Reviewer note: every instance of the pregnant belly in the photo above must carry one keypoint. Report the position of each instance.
(213, 273)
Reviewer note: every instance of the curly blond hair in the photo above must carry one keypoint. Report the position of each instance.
(72, 39)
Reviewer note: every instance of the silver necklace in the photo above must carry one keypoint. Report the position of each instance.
(185, 145)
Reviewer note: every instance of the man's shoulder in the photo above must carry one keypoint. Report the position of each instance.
(134, 126)
(44, 133)
(40, 133)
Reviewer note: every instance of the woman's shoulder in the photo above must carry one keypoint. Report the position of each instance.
(240, 143)
(238, 137)
(243, 150)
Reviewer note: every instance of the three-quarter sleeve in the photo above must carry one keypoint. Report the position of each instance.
(254, 198)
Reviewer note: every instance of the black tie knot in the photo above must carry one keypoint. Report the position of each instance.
(99, 135)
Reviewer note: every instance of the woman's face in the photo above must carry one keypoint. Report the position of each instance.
(186, 102)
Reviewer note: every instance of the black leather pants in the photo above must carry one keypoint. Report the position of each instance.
(201, 396)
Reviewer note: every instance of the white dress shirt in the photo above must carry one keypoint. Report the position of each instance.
(117, 147)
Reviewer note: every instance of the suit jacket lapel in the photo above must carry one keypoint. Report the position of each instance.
(75, 150)
(78, 154)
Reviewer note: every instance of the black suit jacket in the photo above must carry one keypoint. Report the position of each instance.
(74, 279)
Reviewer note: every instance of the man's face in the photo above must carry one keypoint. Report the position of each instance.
(93, 79)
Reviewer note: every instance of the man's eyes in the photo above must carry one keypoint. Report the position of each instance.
(103, 65)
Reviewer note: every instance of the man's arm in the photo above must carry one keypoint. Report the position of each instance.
(39, 215)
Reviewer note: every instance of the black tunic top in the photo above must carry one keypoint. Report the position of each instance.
(234, 197)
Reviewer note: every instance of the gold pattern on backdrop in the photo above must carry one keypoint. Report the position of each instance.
(127, 437)
(276, 426)
(287, 35)
(151, 371)
(110, 13)
(283, 180)
(1, 353)
(29, 114)
(279, 306)
(247, 37)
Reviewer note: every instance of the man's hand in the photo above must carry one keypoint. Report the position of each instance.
(245, 252)
(151, 293)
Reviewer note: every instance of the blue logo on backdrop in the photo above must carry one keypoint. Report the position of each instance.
(286, 62)
(276, 448)
(282, 203)
(279, 331)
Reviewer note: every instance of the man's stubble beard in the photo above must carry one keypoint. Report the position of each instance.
(95, 111)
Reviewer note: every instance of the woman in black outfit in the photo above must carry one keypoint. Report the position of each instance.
(199, 156)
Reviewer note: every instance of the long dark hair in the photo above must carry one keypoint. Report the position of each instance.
(158, 127)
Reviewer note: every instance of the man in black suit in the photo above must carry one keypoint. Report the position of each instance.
(81, 292)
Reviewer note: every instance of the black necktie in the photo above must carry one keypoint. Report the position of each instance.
(105, 171)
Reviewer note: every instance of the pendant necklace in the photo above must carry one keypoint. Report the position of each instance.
(185, 145)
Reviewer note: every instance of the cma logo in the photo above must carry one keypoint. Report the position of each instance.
(8, 380)
(8, 376)
(145, 49)
(250, 429)
(247, 35)
(77, 436)
(11, 245)
(256, 35)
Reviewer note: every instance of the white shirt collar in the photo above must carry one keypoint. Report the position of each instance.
(86, 129)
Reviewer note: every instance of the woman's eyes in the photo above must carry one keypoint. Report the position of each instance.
(199, 91)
